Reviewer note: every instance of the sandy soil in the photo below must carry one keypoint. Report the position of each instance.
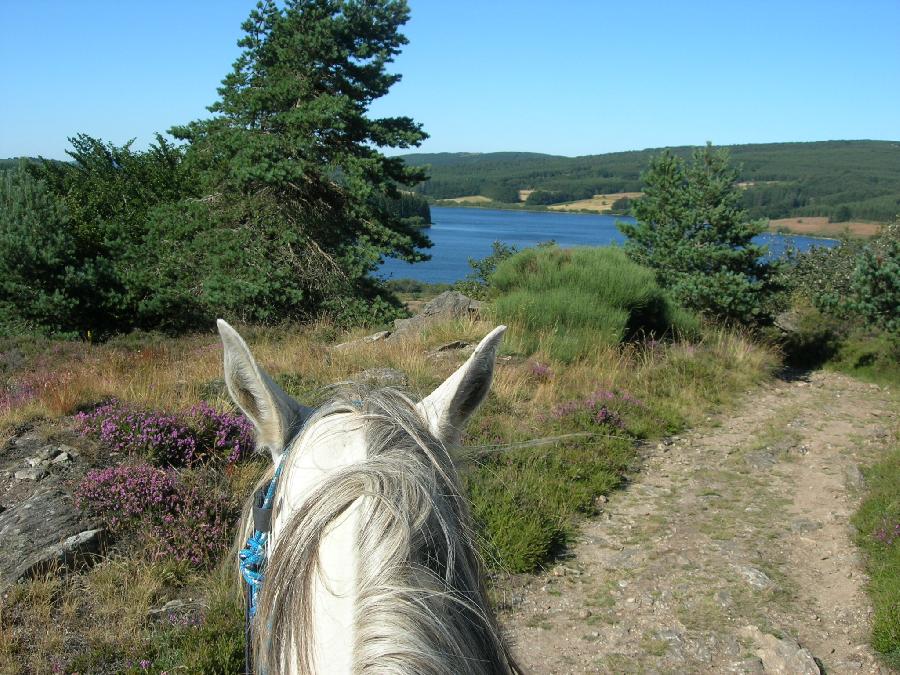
(731, 551)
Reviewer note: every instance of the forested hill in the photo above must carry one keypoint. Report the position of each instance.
(840, 179)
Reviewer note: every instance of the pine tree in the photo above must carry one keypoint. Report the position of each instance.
(691, 229)
(292, 171)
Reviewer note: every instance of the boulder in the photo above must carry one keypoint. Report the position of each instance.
(781, 656)
(448, 306)
(374, 337)
(381, 377)
(43, 530)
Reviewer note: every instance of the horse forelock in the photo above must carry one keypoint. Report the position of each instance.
(420, 603)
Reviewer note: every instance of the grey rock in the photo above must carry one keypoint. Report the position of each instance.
(756, 578)
(385, 377)
(43, 530)
(447, 306)
(34, 473)
(749, 666)
(368, 339)
(61, 458)
(29, 441)
(69, 450)
(171, 606)
(855, 478)
(789, 321)
(805, 526)
(47, 452)
(781, 656)
(450, 346)
(760, 461)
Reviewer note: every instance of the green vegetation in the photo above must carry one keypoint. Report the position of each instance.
(576, 299)
(277, 208)
(413, 289)
(878, 533)
(692, 232)
(478, 282)
(844, 307)
(844, 180)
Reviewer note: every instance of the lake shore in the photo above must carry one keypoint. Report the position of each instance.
(818, 227)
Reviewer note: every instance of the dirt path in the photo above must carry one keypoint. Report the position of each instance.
(731, 546)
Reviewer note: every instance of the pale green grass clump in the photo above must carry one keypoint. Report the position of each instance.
(583, 297)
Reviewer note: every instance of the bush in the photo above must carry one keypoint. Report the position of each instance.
(48, 280)
(477, 283)
(580, 297)
(174, 515)
(202, 434)
(875, 282)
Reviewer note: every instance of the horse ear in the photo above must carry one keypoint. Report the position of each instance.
(449, 406)
(276, 416)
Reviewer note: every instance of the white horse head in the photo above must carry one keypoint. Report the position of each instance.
(372, 566)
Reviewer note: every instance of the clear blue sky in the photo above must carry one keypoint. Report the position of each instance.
(567, 77)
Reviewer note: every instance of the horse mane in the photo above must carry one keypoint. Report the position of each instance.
(421, 605)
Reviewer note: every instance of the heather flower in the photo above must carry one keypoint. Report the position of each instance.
(886, 534)
(595, 408)
(201, 434)
(177, 515)
(541, 371)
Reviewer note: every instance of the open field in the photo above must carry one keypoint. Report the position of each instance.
(597, 203)
(820, 226)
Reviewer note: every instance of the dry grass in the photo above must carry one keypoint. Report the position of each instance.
(822, 227)
(175, 374)
(103, 611)
(97, 620)
(597, 203)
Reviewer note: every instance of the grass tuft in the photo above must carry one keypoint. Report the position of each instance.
(570, 301)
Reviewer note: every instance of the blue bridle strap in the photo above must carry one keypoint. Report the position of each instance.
(252, 559)
(253, 556)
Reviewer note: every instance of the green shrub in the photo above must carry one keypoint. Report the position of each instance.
(875, 283)
(582, 297)
(478, 282)
(844, 306)
(49, 282)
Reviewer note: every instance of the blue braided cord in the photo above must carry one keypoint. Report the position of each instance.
(253, 556)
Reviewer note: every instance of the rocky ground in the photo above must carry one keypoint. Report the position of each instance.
(39, 524)
(730, 552)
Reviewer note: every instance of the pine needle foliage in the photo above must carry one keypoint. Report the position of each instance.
(291, 166)
(692, 231)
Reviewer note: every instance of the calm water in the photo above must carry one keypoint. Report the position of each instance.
(460, 233)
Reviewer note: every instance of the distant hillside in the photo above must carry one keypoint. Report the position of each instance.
(842, 180)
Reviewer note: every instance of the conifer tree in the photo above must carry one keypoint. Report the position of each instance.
(691, 229)
(291, 162)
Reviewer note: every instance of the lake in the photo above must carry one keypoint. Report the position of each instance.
(462, 233)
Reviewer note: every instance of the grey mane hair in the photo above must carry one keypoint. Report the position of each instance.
(421, 604)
